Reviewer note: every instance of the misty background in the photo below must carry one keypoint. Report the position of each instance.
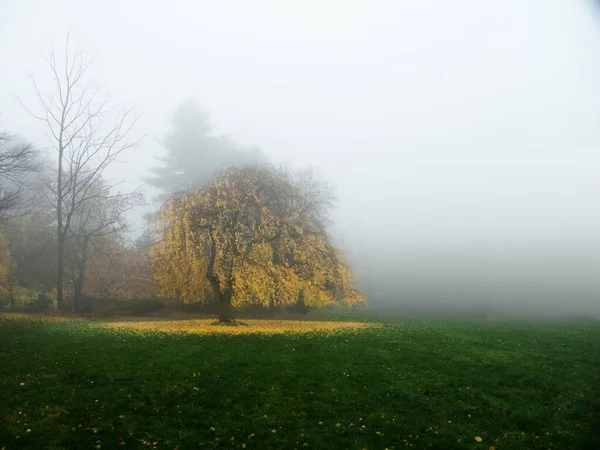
(462, 138)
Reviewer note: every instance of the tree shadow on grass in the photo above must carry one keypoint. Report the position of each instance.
(230, 323)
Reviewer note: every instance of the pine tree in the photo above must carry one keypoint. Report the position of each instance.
(195, 152)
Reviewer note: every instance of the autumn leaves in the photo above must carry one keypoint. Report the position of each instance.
(255, 235)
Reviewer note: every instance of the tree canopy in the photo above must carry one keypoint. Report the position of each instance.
(194, 152)
(255, 235)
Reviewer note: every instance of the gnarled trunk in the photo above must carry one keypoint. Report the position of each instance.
(223, 298)
(225, 307)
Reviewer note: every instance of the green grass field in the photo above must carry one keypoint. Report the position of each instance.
(411, 383)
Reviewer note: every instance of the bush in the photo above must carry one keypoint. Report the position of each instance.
(32, 300)
(44, 301)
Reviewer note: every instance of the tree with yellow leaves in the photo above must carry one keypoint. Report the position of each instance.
(256, 235)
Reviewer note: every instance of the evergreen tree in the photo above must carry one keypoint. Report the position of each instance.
(195, 153)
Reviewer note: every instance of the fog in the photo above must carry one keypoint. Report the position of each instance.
(462, 138)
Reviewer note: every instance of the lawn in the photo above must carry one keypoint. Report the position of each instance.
(412, 383)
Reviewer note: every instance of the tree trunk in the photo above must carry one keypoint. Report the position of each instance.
(60, 264)
(78, 294)
(77, 300)
(12, 300)
(60, 270)
(271, 308)
(225, 308)
(223, 299)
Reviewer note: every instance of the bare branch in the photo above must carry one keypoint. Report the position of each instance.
(17, 160)
(86, 145)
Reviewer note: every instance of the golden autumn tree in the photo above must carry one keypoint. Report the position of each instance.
(256, 235)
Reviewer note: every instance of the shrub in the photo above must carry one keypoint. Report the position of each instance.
(32, 300)
(44, 301)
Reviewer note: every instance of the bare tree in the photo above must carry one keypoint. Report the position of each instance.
(102, 215)
(85, 138)
(17, 160)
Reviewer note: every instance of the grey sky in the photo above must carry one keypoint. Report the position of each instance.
(447, 128)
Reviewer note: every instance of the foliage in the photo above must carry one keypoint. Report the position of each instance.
(254, 236)
(44, 301)
(438, 384)
(180, 277)
(32, 300)
(247, 326)
(119, 272)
